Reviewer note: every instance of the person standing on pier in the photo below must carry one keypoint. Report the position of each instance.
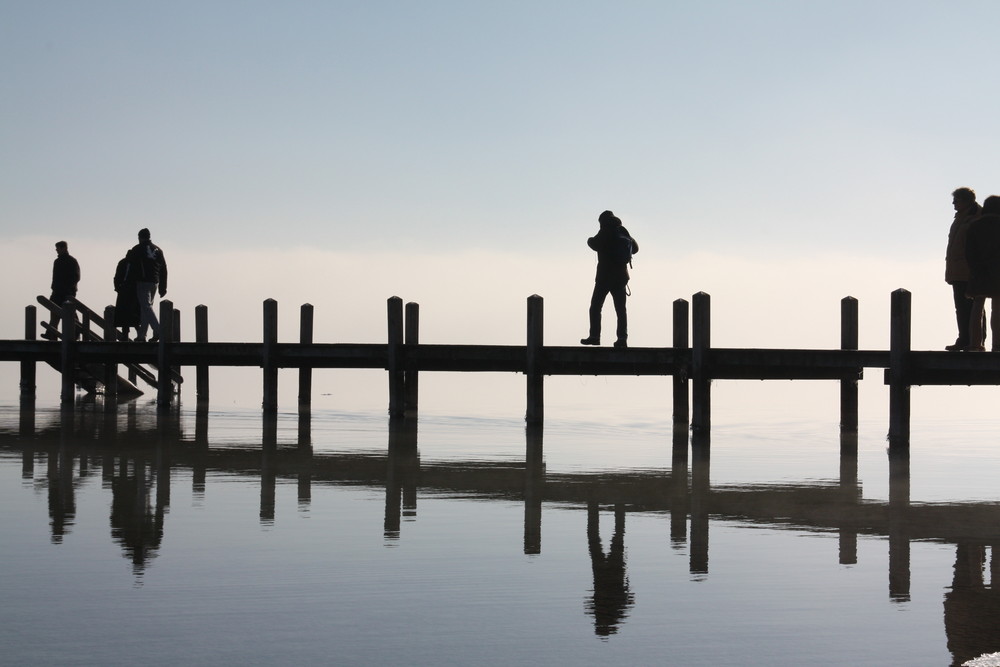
(65, 278)
(148, 268)
(614, 247)
(983, 254)
(956, 268)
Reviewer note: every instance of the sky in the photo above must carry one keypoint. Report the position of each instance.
(777, 154)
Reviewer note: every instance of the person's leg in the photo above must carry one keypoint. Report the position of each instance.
(619, 296)
(58, 299)
(147, 318)
(963, 311)
(976, 333)
(596, 305)
(994, 325)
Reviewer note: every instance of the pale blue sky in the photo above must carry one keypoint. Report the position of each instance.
(755, 128)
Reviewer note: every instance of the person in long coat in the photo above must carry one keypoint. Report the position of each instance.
(982, 251)
(127, 301)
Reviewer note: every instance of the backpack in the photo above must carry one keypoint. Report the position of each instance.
(621, 247)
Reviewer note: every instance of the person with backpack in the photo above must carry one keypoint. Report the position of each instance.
(614, 247)
(148, 269)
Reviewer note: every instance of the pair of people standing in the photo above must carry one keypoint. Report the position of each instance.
(139, 276)
(614, 247)
(972, 268)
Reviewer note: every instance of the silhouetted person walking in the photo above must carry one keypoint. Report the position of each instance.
(983, 254)
(65, 278)
(148, 268)
(127, 301)
(956, 267)
(614, 247)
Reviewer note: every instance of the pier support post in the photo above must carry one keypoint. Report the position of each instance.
(305, 372)
(111, 367)
(535, 413)
(411, 338)
(680, 379)
(701, 386)
(394, 363)
(849, 387)
(899, 387)
(164, 379)
(270, 369)
(28, 368)
(68, 350)
(201, 336)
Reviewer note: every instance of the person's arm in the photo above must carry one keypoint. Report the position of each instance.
(163, 275)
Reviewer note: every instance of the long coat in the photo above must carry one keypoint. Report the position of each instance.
(982, 250)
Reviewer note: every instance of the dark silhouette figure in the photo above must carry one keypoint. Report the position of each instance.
(612, 275)
(65, 278)
(148, 269)
(956, 267)
(135, 524)
(612, 597)
(127, 301)
(982, 250)
(972, 607)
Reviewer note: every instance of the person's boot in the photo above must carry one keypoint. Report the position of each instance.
(590, 340)
(621, 342)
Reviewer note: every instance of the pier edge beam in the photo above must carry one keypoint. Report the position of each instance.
(111, 367)
(680, 378)
(394, 322)
(28, 367)
(849, 387)
(201, 336)
(535, 411)
(68, 353)
(305, 372)
(411, 337)
(701, 385)
(164, 381)
(269, 368)
(899, 387)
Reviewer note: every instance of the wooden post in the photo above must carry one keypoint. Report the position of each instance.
(701, 389)
(68, 350)
(535, 413)
(270, 372)
(680, 378)
(28, 368)
(849, 387)
(394, 363)
(305, 372)
(110, 368)
(411, 338)
(899, 388)
(176, 338)
(201, 336)
(164, 381)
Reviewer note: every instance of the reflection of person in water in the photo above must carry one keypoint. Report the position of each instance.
(612, 597)
(972, 608)
(134, 524)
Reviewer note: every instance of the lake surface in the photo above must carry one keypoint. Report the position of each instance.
(217, 536)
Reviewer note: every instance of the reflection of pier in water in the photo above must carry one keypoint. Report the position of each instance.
(135, 458)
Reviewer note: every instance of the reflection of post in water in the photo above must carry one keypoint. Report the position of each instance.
(401, 475)
(534, 487)
(700, 485)
(199, 453)
(679, 504)
(135, 525)
(851, 493)
(268, 465)
(972, 607)
(899, 535)
(304, 459)
(611, 595)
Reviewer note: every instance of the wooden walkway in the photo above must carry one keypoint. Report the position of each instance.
(692, 363)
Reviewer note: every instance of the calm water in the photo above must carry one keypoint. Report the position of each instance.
(223, 538)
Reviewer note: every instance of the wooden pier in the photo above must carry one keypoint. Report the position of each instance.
(692, 363)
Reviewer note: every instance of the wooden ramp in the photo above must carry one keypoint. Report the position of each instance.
(89, 377)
